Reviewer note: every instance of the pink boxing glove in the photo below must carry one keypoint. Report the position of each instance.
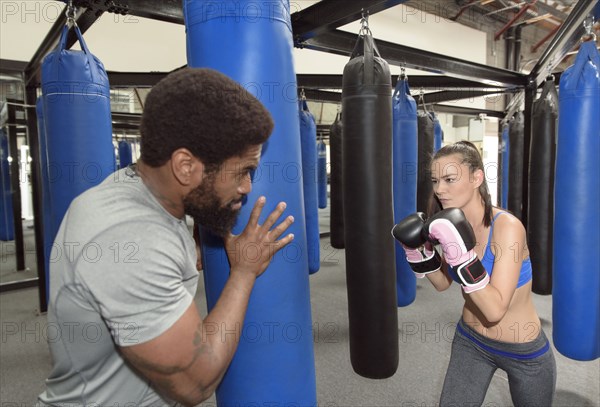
(452, 230)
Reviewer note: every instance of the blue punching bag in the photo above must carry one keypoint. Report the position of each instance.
(308, 139)
(251, 42)
(404, 163)
(7, 223)
(125, 156)
(438, 133)
(576, 277)
(78, 127)
(322, 166)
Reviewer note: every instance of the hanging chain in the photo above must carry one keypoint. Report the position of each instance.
(70, 13)
(364, 23)
(402, 75)
(588, 25)
(302, 94)
(422, 99)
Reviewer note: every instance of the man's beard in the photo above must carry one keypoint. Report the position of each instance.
(205, 207)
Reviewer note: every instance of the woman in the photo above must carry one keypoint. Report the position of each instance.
(499, 327)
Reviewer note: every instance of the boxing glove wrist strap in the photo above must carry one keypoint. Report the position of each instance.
(472, 275)
(429, 264)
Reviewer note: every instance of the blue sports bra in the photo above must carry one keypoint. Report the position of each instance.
(489, 258)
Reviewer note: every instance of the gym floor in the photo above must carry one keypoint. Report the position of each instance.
(426, 328)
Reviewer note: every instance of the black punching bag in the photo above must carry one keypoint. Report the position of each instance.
(336, 224)
(516, 135)
(540, 216)
(368, 212)
(426, 132)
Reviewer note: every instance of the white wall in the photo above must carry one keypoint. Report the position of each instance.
(134, 44)
(123, 43)
(407, 26)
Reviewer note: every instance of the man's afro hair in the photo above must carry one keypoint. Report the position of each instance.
(202, 110)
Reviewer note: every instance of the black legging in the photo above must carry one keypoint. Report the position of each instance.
(474, 359)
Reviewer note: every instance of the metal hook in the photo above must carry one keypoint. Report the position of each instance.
(402, 74)
(588, 25)
(364, 22)
(70, 14)
(422, 99)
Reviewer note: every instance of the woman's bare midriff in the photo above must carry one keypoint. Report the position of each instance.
(520, 323)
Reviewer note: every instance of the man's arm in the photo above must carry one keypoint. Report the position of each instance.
(188, 360)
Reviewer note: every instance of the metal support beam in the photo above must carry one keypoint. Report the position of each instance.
(500, 168)
(19, 285)
(565, 39)
(530, 94)
(342, 43)
(329, 81)
(466, 111)
(126, 121)
(327, 15)
(12, 68)
(307, 81)
(15, 182)
(451, 95)
(36, 194)
(84, 18)
(162, 10)
(134, 79)
(323, 96)
(429, 98)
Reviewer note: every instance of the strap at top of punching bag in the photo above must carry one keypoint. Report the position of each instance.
(54, 74)
(365, 47)
(304, 106)
(401, 90)
(587, 56)
(549, 94)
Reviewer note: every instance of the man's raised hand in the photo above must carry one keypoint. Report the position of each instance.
(252, 250)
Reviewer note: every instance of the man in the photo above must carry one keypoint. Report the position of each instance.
(123, 273)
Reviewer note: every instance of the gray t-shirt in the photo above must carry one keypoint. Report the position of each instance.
(122, 271)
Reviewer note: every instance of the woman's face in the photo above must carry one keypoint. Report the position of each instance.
(453, 183)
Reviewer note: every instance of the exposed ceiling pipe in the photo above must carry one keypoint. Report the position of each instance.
(541, 6)
(500, 10)
(514, 19)
(463, 9)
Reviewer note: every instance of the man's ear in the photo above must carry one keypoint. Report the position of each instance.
(186, 168)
